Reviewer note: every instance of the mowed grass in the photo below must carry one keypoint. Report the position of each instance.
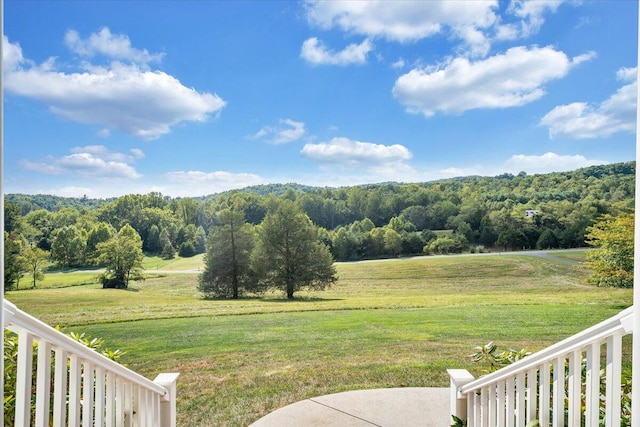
(384, 324)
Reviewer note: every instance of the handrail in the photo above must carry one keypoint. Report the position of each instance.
(75, 385)
(15, 318)
(622, 321)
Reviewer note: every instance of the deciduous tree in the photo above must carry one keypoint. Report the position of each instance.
(289, 254)
(122, 256)
(611, 258)
(36, 261)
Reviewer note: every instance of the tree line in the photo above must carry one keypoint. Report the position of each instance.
(359, 222)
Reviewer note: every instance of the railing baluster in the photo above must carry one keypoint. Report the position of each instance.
(501, 405)
(558, 392)
(471, 405)
(575, 388)
(545, 391)
(492, 406)
(87, 394)
(120, 402)
(532, 394)
(99, 397)
(110, 406)
(75, 375)
(614, 386)
(510, 402)
(24, 378)
(592, 407)
(520, 399)
(477, 408)
(60, 389)
(484, 406)
(43, 384)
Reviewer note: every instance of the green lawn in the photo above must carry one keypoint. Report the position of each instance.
(384, 324)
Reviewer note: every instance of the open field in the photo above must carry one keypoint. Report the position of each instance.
(384, 324)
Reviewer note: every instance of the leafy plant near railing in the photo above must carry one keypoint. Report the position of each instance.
(495, 360)
(11, 360)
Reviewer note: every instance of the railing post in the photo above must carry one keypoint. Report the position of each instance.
(168, 404)
(458, 403)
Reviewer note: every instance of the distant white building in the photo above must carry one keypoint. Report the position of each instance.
(531, 212)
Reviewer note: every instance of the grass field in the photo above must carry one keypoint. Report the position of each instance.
(384, 324)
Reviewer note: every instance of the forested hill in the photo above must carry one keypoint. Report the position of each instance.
(597, 181)
(390, 219)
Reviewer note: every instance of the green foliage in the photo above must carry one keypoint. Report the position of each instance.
(36, 261)
(451, 244)
(168, 251)
(122, 256)
(226, 262)
(11, 364)
(288, 253)
(486, 210)
(611, 260)
(101, 232)
(489, 355)
(14, 265)
(68, 246)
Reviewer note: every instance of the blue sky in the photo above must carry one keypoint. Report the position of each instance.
(192, 98)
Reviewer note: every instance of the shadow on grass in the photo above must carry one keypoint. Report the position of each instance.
(273, 299)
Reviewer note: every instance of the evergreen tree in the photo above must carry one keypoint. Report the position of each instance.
(289, 254)
(226, 262)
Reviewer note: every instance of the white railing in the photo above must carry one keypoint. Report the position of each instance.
(82, 387)
(561, 385)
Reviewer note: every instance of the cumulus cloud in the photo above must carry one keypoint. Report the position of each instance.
(511, 79)
(12, 56)
(402, 21)
(115, 46)
(288, 131)
(315, 52)
(386, 162)
(93, 161)
(581, 120)
(475, 24)
(549, 162)
(124, 97)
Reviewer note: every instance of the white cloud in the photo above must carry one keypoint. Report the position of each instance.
(11, 55)
(548, 162)
(315, 52)
(402, 21)
(384, 162)
(115, 46)
(475, 24)
(190, 183)
(92, 161)
(288, 131)
(580, 120)
(400, 63)
(82, 165)
(511, 79)
(531, 13)
(138, 102)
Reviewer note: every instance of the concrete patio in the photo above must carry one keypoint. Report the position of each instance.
(393, 407)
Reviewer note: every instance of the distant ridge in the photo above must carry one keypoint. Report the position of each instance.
(52, 202)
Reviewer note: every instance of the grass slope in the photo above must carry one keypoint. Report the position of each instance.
(384, 324)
